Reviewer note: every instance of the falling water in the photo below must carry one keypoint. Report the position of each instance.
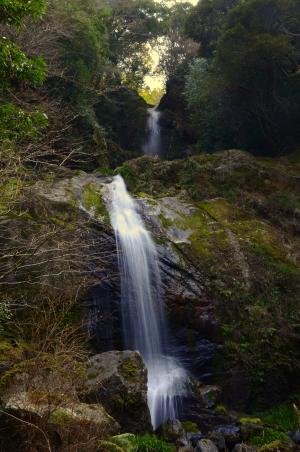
(152, 146)
(143, 315)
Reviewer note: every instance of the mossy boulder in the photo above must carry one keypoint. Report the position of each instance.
(171, 430)
(118, 380)
(118, 443)
(209, 395)
(250, 427)
(69, 420)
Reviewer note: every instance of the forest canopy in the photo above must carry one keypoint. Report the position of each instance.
(244, 90)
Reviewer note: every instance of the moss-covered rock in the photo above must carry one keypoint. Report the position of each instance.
(72, 422)
(235, 218)
(119, 381)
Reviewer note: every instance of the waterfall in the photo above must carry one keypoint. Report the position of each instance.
(152, 146)
(144, 322)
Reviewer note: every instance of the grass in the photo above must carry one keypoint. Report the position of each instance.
(282, 417)
(268, 436)
(148, 443)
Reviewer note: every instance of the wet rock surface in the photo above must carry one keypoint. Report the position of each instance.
(118, 380)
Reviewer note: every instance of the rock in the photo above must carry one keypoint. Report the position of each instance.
(193, 438)
(244, 448)
(210, 395)
(119, 443)
(218, 439)
(231, 434)
(250, 427)
(171, 430)
(206, 445)
(118, 380)
(295, 436)
(186, 449)
(66, 420)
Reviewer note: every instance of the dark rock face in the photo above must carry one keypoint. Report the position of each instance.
(119, 381)
(170, 430)
(231, 434)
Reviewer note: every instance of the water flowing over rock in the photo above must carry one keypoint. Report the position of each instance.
(153, 145)
(144, 323)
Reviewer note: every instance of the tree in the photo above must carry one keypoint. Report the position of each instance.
(17, 68)
(132, 25)
(206, 22)
(253, 84)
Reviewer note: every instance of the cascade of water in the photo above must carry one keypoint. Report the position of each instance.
(144, 322)
(152, 146)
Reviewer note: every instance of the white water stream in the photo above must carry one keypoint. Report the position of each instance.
(143, 314)
(152, 146)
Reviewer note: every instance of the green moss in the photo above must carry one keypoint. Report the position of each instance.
(92, 201)
(124, 403)
(190, 427)
(268, 436)
(9, 194)
(61, 417)
(106, 171)
(221, 409)
(221, 210)
(124, 443)
(250, 420)
(129, 369)
(128, 174)
(109, 446)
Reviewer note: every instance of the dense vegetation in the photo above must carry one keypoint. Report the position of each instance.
(242, 89)
(73, 106)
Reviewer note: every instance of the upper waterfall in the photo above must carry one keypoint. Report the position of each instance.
(153, 146)
(144, 323)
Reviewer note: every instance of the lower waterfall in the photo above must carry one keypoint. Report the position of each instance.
(144, 323)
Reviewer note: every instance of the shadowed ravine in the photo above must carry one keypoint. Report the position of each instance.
(144, 323)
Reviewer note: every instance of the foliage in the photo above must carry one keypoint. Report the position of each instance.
(149, 443)
(249, 97)
(281, 417)
(15, 65)
(206, 22)
(132, 24)
(268, 436)
(13, 12)
(17, 125)
(152, 97)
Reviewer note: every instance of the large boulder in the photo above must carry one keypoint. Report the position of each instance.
(118, 380)
(65, 422)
